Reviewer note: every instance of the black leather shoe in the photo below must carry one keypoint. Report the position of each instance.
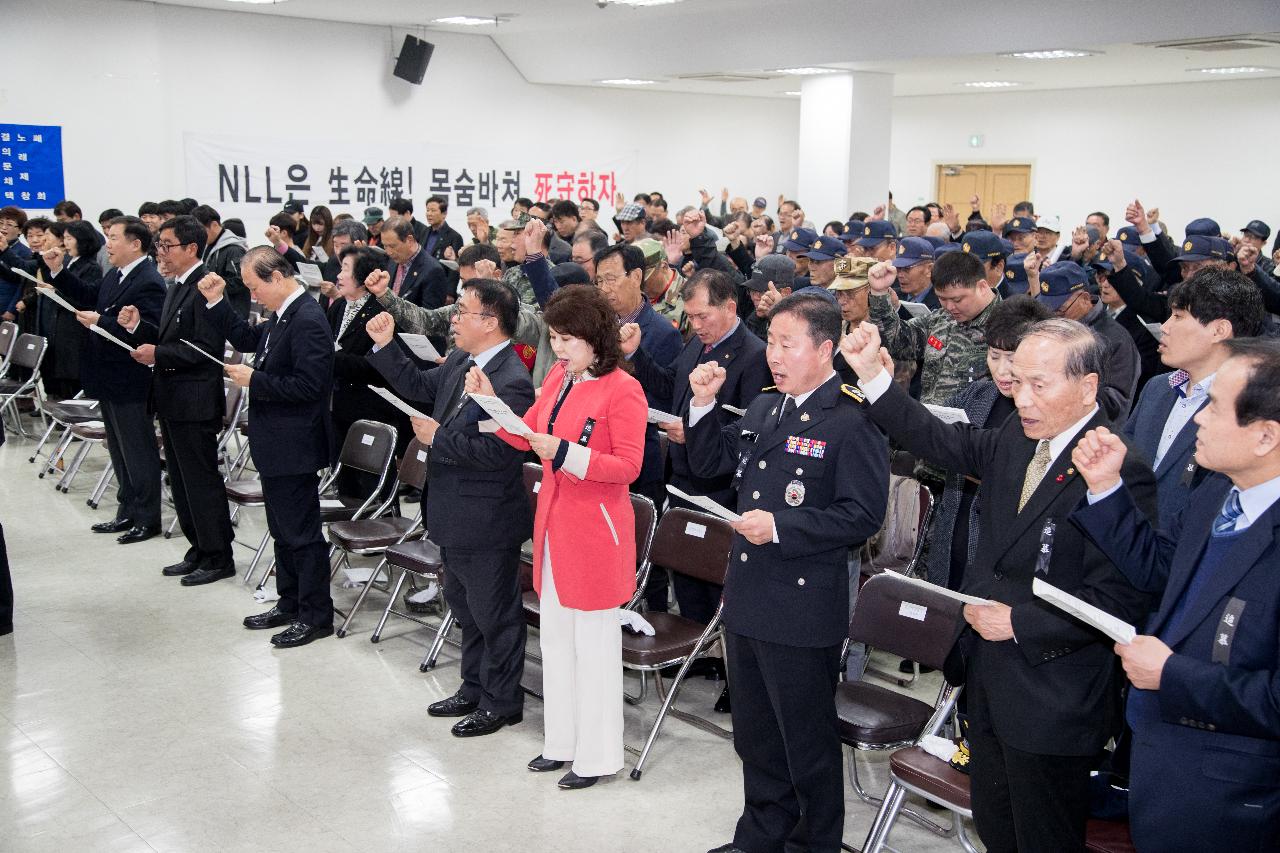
(431, 606)
(905, 668)
(116, 525)
(456, 705)
(182, 568)
(572, 781)
(208, 574)
(544, 765)
(722, 706)
(139, 534)
(727, 848)
(299, 634)
(482, 722)
(273, 618)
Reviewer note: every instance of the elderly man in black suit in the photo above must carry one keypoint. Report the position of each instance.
(477, 510)
(289, 433)
(812, 476)
(1043, 690)
(415, 276)
(108, 374)
(187, 395)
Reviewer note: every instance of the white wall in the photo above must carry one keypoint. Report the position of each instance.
(1199, 149)
(131, 77)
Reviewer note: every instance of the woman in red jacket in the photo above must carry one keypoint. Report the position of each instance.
(588, 424)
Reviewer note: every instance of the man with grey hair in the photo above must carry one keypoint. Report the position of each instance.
(1043, 689)
(478, 225)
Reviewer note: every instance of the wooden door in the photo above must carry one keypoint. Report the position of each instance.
(1005, 184)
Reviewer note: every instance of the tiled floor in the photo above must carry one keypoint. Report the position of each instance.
(138, 715)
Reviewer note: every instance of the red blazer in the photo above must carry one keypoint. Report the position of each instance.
(585, 506)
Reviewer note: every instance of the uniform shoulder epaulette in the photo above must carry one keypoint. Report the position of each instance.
(769, 388)
(854, 393)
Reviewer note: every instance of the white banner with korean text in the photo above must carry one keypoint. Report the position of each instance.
(251, 178)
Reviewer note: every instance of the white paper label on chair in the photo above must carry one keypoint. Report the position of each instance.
(537, 487)
(912, 611)
(330, 503)
(366, 439)
(31, 346)
(692, 528)
(422, 456)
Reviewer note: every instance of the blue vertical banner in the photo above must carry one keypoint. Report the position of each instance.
(31, 165)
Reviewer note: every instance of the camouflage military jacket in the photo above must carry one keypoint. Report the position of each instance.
(950, 354)
(671, 305)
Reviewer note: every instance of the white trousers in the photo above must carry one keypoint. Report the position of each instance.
(581, 682)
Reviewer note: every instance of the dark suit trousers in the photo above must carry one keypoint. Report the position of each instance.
(482, 588)
(784, 730)
(131, 441)
(199, 497)
(1023, 802)
(302, 555)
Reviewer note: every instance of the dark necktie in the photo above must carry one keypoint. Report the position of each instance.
(460, 394)
(788, 406)
(1225, 523)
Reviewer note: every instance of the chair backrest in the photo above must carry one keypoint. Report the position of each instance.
(29, 351)
(232, 356)
(413, 465)
(8, 336)
(906, 620)
(693, 543)
(532, 483)
(233, 396)
(646, 523)
(370, 446)
(905, 520)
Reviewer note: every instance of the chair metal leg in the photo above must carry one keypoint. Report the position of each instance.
(884, 820)
(266, 576)
(667, 708)
(391, 603)
(916, 817)
(342, 632)
(441, 633)
(101, 488)
(69, 473)
(40, 446)
(57, 454)
(257, 555)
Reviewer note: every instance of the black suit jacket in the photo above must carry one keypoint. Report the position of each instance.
(448, 238)
(827, 491)
(425, 282)
(1056, 690)
(746, 373)
(185, 385)
(107, 371)
(1148, 347)
(289, 426)
(475, 493)
(353, 374)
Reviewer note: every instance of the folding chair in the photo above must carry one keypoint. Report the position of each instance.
(919, 624)
(368, 536)
(697, 545)
(901, 542)
(28, 352)
(63, 414)
(8, 337)
(369, 446)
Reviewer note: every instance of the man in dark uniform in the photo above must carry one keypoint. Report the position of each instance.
(477, 511)
(289, 385)
(812, 475)
(188, 399)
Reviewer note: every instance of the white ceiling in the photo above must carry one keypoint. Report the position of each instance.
(929, 46)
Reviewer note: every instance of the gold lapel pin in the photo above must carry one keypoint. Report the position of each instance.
(805, 417)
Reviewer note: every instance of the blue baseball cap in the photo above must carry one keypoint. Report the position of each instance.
(876, 232)
(935, 241)
(912, 251)
(800, 240)
(1061, 281)
(1131, 258)
(1020, 225)
(1204, 226)
(1007, 246)
(827, 249)
(1199, 247)
(983, 245)
(944, 248)
(1129, 236)
(1015, 274)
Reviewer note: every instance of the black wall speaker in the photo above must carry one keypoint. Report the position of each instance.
(415, 55)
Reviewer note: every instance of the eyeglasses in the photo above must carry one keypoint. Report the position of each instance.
(608, 280)
(458, 312)
(161, 248)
